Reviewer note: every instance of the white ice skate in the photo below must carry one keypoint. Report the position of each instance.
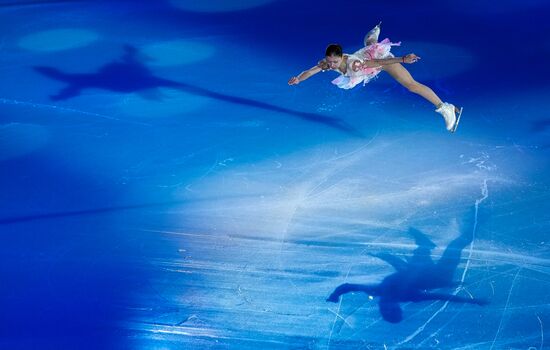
(372, 35)
(451, 114)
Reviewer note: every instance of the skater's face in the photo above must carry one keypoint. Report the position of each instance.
(333, 61)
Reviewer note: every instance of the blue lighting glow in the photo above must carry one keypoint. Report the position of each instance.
(178, 52)
(218, 5)
(58, 39)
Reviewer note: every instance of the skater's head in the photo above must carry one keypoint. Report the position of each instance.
(333, 50)
(333, 55)
(390, 310)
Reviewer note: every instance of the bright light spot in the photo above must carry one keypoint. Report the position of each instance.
(58, 39)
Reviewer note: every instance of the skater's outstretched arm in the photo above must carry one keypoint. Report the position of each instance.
(377, 62)
(348, 288)
(307, 73)
(453, 298)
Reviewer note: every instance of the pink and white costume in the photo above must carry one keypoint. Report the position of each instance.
(375, 51)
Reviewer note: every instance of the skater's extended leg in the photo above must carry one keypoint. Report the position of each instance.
(448, 263)
(403, 77)
(452, 298)
(447, 110)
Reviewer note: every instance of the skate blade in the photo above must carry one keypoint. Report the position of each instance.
(457, 119)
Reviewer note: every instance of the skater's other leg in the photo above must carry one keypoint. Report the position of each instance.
(448, 263)
(403, 77)
(421, 256)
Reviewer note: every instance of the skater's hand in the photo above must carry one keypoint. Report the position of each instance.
(410, 58)
(323, 65)
(294, 81)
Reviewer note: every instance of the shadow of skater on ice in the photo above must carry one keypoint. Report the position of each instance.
(415, 278)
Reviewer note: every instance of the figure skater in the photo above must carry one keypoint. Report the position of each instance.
(365, 64)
